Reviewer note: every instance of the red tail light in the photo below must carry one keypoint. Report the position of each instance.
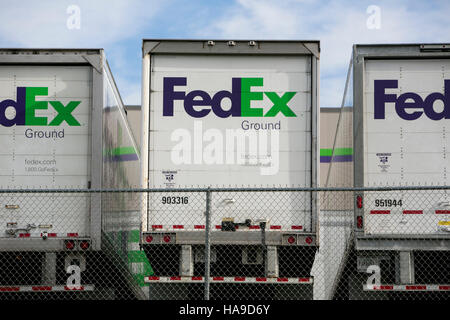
(84, 245)
(148, 239)
(167, 239)
(70, 244)
(359, 202)
(291, 240)
(309, 240)
(359, 222)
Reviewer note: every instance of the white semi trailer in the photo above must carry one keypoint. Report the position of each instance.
(223, 114)
(62, 126)
(401, 125)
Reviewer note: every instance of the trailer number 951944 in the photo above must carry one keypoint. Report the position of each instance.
(388, 203)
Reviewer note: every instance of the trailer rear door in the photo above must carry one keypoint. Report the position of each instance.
(45, 143)
(221, 149)
(405, 145)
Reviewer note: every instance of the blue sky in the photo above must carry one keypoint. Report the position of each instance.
(119, 27)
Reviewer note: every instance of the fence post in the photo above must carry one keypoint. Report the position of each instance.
(207, 242)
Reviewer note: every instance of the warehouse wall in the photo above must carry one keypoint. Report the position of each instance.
(341, 174)
(134, 120)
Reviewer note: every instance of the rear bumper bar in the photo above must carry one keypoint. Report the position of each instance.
(38, 244)
(235, 280)
(409, 288)
(272, 238)
(403, 242)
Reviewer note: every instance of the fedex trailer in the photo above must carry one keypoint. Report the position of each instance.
(62, 126)
(401, 104)
(230, 114)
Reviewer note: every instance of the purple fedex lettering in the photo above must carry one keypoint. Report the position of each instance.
(190, 100)
(19, 105)
(410, 100)
(235, 98)
(401, 105)
(445, 98)
(200, 98)
(170, 95)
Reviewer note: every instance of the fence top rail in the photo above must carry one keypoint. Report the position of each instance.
(262, 189)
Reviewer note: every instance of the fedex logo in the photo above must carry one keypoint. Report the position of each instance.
(26, 106)
(409, 105)
(199, 103)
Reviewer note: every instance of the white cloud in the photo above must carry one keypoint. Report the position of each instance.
(337, 24)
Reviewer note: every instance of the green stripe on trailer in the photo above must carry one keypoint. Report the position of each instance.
(137, 256)
(337, 152)
(123, 150)
(140, 267)
(134, 236)
(137, 259)
(120, 151)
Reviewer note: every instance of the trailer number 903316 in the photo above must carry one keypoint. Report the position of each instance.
(388, 203)
(174, 200)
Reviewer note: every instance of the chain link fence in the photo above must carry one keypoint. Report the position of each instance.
(249, 244)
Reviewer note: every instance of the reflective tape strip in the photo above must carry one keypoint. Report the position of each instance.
(380, 211)
(50, 235)
(41, 288)
(9, 289)
(412, 212)
(414, 287)
(199, 227)
(45, 288)
(409, 211)
(408, 287)
(262, 280)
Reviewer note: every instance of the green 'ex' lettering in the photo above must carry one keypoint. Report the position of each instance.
(64, 113)
(32, 105)
(247, 96)
(280, 104)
